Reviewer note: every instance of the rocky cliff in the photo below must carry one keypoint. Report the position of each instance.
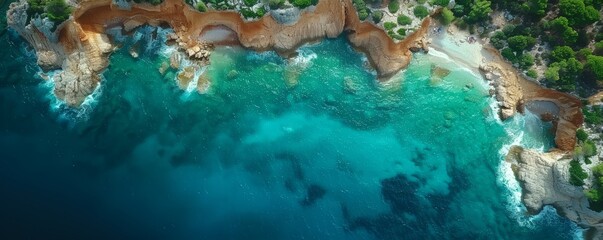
(545, 181)
(81, 39)
(513, 91)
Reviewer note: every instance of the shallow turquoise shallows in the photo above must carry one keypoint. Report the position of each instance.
(307, 148)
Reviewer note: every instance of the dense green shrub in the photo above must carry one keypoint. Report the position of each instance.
(201, 7)
(57, 10)
(301, 3)
(404, 20)
(420, 11)
(447, 16)
(562, 53)
(578, 13)
(581, 135)
(520, 43)
(442, 3)
(582, 54)
(479, 11)
(250, 3)
(498, 40)
(532, 73)
(577, 174)
(377, 16)
(594, 115)
(276, 4)
(401, 31)
(525, 61)
(36, 7)
(247, 13)
(389, 25)
(260, 12)
(595, 195)
(594, 66)
(508, 54)
(393, 6)
(599, 48)
(589, 148)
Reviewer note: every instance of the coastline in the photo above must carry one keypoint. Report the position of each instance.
(82, 41)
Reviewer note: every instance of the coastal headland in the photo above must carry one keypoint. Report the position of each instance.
(80, 48)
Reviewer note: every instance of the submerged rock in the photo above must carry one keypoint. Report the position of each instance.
(186, 76)
(437, 75)
(349, 86)
(291, 75)
(232, 74)
(203, 83)
(314, 193)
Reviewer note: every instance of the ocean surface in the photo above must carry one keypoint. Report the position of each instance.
(336, 156)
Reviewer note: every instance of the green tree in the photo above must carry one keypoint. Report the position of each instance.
(577, 174)
(520, 43)
(420, 11)
(578, 13)
(276, 4)
(582, 54)
(581, 135)
(401, 31)
(201, 7)
(594, 67)
(389, 25)
(393, 6)
(479, 11)
(248, 3)
(447, 16)
(498, 40)
(508, 54)
(377, 16)
(532, 73)
(57, 10)
(589, 148)
(562, 53)
(36, 7)
(442, 3)
(552, 73)
(526, 61)
(404, 20)
(302, 3)
(598, 48)
(535, 8)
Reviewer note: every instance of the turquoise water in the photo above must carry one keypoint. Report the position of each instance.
(337, 156)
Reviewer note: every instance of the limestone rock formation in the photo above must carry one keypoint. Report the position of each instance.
(285, 16)
(513, 91)
(506, 85)
(544, 178)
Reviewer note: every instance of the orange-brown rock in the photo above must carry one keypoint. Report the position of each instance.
(329, 18)
(514, 91)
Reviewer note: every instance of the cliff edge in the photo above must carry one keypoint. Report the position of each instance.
(80, 47)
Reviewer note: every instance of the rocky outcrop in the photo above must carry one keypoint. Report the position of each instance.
(513, 92)
(285, 16)
(506, 86)
(49, 51)
(282, 32)
(544, 178)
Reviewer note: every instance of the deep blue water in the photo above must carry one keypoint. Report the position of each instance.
(256, 159)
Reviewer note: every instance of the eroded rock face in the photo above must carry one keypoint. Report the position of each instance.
(544, 178)
(285, 16)
(507, 89)
(77, 80)
(512, 91)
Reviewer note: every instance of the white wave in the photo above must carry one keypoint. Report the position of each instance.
(304, 58)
